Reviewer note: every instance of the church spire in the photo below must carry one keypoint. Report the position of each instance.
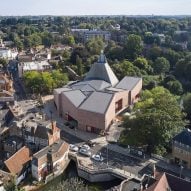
(102, 58)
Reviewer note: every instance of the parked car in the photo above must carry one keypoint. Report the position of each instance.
(85, 152)
(74, 148)
(90, 143)
(85, 146)
(97, 157)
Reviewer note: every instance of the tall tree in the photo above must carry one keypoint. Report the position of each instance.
(161, 65)
(157, 119)
(133, 46)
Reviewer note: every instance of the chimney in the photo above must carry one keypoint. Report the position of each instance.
(53, 125)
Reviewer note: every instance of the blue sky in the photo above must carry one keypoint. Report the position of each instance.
(95, 7)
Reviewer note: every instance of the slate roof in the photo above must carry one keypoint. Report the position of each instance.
(76, 97)
(97, 102)
(17, 161)
(102, 71)
(91, 85)
(128, 83)
(184, 137)
(60, 90)
(56, 150)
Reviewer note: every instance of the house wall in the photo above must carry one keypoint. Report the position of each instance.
(135, 91)
(91, 119)
(68, 107)
(111, 114)
(182, 155)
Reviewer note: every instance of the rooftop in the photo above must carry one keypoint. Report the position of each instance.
(128, 83)
(97, 102)
(184, 137)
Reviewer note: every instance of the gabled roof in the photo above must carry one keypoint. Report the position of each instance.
(102, 71)
(97, 102)
(128, 83)
(76, 97)
(184, 137)
(17, 161)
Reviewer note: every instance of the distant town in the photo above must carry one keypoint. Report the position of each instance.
(95, 103)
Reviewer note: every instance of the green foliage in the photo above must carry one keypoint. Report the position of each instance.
(187, 105)
(69, 185)
(126, 68)
(133, 46)
(95, 45)
(3, 62)
(143, 65)
(79, 65)
(161, 65)
(157, 119)
(11, 186)
(44, 82)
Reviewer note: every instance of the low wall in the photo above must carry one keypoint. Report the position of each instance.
(99, 176)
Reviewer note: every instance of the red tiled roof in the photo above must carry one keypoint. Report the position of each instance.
(16, 162)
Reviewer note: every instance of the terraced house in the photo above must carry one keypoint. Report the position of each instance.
(94, 102)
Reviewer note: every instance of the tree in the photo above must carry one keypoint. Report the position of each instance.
(133, 46)
(3, 62)
(69, 185)
(187, 105)
(175, 87)
(126, 68)
(161, 65)
(79, 65)
(157, 119)
(95, 45)
(143, 64)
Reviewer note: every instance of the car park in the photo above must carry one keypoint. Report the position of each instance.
(97, 157)
(85, 152)
(74, 148)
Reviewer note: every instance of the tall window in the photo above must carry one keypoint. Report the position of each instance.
(118, 105)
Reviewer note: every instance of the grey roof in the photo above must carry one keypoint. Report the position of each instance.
(60, 90)
(102, 71)
(53, 148)
(184, 137)
(97, 102)
(91, 85)
(76, 97)
(128, 83)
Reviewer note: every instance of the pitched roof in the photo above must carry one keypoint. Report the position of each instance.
(56, 150)
(128, 83)
(184, 137)
(97, 102)
(102, 71)
(17, 161)
(91, 85)
(76, 97)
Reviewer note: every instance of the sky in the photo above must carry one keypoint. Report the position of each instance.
(95, 7)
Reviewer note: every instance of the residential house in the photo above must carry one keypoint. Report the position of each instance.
(7, 53)
(19, 164)
(159, 182)
(181, 148)
(93, 103)
(39, 66)
(35, 131)
(50, 161)
(5, 82)
(11, 145)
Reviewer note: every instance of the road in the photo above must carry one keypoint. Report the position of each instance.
(113, 158)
